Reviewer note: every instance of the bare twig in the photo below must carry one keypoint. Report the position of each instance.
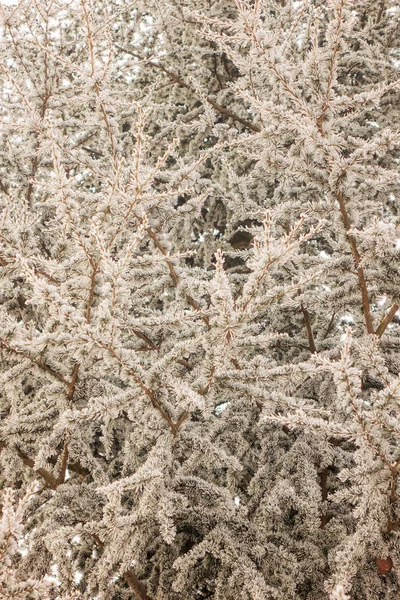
(63, 466)
(386, 320)
(136, 585)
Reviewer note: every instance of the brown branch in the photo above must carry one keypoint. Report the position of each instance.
(130, 576)
(77, 468)
(91, 151)
(363, 426)
(149, 392)
(357, 259)
(215, 71)
(346, 220)
(52, 482)
(307, 321)
(74, 377)
(72, 384)
(36, 361)
(229, 113)
(325, 106)
(380, 12)
(177, 79)
(28, 462)
(145, 338)
(175, 277)
(136, 585)
(63, 466)
(204, 391)
(392, 523)
(35, 161)
(172, 271)
(386, 320)
(91, 292)
(4, 263)
(181, 419)
(311, 343)
(4, 188)
(323, 483)
(330, 325)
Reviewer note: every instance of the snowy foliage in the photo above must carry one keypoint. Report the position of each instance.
(199, 295)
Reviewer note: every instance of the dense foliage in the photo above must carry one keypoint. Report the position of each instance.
(199, 294)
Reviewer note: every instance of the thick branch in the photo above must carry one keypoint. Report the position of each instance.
(130, 576)
(145, 338)
(74, 378)
(331, 75)
(330, 325)
(310, 335)
(28, 462)
(72, 384)
(136, 585)
(63, 467)
(381, 10)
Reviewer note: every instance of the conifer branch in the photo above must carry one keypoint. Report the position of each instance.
(175, 278)
(332, 66)
(136, 585)
(381, 10)
(37, 270)
(323, 482)
(63, 466)
(149, 392)
(177, 79)
(50, 480)
(36, 361)
(310, 335)
(387, 319)
(357, 259)
(72, 383)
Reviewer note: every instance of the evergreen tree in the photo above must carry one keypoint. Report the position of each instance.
(199, 296)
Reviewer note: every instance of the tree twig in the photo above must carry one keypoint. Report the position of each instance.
(175, 277)
(52, 482)
(310, 335)
(177, 79)
(136, 585)
(37, 361)
(386, 320)
(357, 259)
